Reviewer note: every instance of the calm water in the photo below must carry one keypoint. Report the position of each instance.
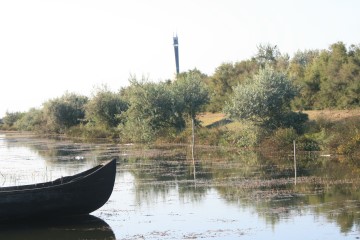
(160, 194)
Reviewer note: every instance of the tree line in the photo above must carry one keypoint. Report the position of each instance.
(269, 90)
(327, 79)
(140, 112)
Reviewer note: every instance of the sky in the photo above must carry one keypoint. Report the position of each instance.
(50, 47)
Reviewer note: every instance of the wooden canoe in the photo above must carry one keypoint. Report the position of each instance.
(79, 194)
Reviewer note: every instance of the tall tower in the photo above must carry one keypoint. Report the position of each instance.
(176, 50)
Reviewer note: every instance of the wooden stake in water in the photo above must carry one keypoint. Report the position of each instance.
(295, 161)
(192, 139)
(193, 144)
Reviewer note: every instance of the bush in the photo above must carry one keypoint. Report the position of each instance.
(264, 100)
(245, 135)
(11, 118)
(137, 130)
(295, 120)
(284, 136)
(92, 132)
(307, 144)
(210, 136)
(30, 121)
(351, 146)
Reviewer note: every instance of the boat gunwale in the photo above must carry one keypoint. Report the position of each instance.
(56, 183)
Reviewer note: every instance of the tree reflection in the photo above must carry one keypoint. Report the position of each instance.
(156, 176)
(259, 180)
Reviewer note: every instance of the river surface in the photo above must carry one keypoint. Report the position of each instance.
(161, 193)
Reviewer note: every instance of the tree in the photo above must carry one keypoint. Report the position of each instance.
(155, 108)
(332, 79)
(221, 83)
(305, 74)
(32, 120)
(264, 100)
(267, 54)
(64, 112)
(226, 76)
(152, 109)
(11, 118)
(192, 95)
(105, 107)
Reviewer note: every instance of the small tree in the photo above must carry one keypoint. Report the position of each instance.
(265, 100)
(64, 112)
(11, 118)
(152, 109)
(158, 107)
(105, 107)
(267, 54)
(191, 94)
(31, 120)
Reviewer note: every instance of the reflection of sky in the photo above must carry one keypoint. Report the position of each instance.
(147, 208)
(19, 165)
(305, 226)
(175, 216)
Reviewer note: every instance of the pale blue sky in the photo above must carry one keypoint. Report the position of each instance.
(48, 47)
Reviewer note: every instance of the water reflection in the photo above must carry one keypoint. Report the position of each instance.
(326, 188)
(161, 179)
(28, 159)
(77, 227)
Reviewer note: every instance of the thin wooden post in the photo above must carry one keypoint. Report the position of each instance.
(192, 139)
(295, 167)
(193, 145)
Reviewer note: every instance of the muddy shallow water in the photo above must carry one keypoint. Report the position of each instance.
(160, 194)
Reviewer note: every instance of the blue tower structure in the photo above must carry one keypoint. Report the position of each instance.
(176, 50)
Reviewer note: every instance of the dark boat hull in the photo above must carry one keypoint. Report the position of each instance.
(75, 195)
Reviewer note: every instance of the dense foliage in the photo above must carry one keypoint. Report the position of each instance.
(155, 108)
(104, 108)
(327, 78)
(64, 112)
(269, 91)
(265, 100)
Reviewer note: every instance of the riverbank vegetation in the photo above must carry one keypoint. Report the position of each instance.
(269, 100)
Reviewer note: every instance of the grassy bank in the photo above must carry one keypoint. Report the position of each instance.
(334, 131)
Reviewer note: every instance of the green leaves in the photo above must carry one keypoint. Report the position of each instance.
(226, 76)
(190, 93)
(155, 107)
(64, 112)
(264, 99)
(105, 107)
(329, 78)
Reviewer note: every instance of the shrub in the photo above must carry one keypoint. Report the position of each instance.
(264, 100)
(307, 144)
(295, 120)
(284, 136)
(245, 135)
(351, 146)
(210, 136)
(92, 132)
(11, 118)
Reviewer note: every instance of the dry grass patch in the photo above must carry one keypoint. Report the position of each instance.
(210, 118)
(333, 115)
